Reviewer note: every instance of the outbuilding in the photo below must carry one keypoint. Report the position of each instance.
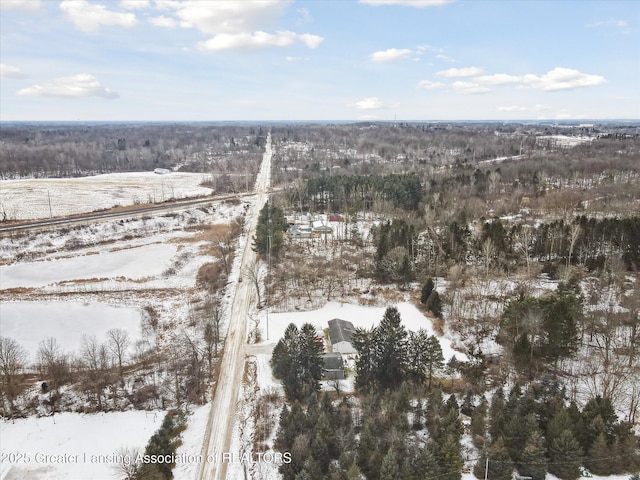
(341, 334)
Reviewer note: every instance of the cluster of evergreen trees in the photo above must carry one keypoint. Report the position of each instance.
(388, 355)
(535, 432)
(358, 192)
(270, 230)
(297, 361)
(162, 444)
(376, 439)
(544, 328)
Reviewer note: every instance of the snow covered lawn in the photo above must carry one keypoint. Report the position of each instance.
(26, 199)
(72, 446)
(361, 316)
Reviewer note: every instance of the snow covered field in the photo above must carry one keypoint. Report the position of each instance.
(71, 445)
(132, 263)
(27, 199)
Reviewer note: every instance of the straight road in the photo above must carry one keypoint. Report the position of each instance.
(217, 439)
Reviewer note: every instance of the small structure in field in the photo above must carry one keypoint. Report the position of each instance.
(340, 334)
(333, 366)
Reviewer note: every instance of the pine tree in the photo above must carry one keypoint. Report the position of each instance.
(565, 456)
(427, 288)
(533, 462)
(270, 230)
(500, 464)
(599, 458)
(391, 350)
(390, 470)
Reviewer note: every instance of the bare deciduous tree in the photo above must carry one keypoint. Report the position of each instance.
(12, 360)
(118, 344)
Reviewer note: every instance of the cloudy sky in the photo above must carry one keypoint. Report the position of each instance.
(319, 60)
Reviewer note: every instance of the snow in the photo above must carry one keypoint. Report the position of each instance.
(191, 445)
(31, 322)
(79, 438)
(26, 199)
(133, 263)
(361, 317)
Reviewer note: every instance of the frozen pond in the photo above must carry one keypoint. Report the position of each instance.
(133, 263)
(31, 322)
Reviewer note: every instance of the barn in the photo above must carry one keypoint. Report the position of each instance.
(340, 334)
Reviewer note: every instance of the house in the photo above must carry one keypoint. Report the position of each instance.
(340, 333)
(333, 366)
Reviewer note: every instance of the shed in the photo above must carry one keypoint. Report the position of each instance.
(341, 334)
(333, 366)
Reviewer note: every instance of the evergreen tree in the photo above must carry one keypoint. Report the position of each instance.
(425, 357)
(390, 470)
(391, 349)
(533, 461)
(565, 456)
(478, 425)
(599, 458)
(434, 304)
(426, 290)
(500, 464)
(270, 230)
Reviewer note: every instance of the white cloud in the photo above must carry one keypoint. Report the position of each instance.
(237, 25)
(257, 40)
(311, 41)
(622, 25)
(162, 21)
(460, 72)
(445, 58)
(390, 54)
(9, 71)
(428, 85)
(29, 5)
(305, 16)
(228, 17)
(498, 79)
(562, 79)
(370, 103)
(89, 17)
(78, 86)
(408, 3)
(512, 108)
(134, 4)
(469, 88)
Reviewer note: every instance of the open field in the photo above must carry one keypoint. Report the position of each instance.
(29, 199)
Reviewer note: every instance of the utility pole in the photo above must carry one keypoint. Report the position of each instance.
(49, 196)
(486, 468)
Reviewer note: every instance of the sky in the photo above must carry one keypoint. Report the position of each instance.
(279, 60)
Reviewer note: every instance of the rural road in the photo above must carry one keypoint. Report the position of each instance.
(217, 439)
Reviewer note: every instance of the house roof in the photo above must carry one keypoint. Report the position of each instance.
(333, 361)
(340, 331)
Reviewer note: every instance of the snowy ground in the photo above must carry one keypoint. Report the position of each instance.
(86, 280)
(71, 445)
(361, 317)
(43, 197)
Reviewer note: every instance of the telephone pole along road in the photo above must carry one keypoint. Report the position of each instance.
(217, 439)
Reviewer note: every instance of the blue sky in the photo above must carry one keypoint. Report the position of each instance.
(319, 60)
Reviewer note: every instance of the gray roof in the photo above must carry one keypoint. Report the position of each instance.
(333, 361)
(340, 331)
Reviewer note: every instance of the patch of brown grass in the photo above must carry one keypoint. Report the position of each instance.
(211, 276)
